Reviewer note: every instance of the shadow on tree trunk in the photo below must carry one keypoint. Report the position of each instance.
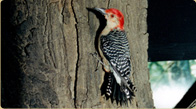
(11, 76)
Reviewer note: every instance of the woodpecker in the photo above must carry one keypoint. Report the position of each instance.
(113, 48)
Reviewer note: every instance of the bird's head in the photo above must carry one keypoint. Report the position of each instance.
(115, 18)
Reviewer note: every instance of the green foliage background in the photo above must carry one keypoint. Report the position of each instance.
(169, 72)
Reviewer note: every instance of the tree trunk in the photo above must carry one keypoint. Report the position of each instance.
(46, 53)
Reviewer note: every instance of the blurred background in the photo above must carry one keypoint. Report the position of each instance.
(170, 80)
(172, 51)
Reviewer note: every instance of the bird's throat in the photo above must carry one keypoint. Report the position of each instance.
(105, 31)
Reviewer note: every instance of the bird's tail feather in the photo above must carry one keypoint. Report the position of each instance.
(111, 89)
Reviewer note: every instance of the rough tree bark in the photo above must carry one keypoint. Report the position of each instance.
(46, 53)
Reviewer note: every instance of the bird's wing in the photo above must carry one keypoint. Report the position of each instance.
(115, 48)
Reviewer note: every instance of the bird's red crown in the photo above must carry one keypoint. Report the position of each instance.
(119, 16)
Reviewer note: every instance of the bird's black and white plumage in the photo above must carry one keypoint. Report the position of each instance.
(115, 48)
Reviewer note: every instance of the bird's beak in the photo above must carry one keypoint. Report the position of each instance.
(101, 10)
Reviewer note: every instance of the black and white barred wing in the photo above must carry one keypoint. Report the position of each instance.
(115, 48)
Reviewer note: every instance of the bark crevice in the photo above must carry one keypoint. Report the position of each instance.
(78, 54)
(108, 5)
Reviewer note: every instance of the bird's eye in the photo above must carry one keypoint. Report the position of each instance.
(112, 15)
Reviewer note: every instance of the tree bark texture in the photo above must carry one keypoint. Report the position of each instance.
(46, 48)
